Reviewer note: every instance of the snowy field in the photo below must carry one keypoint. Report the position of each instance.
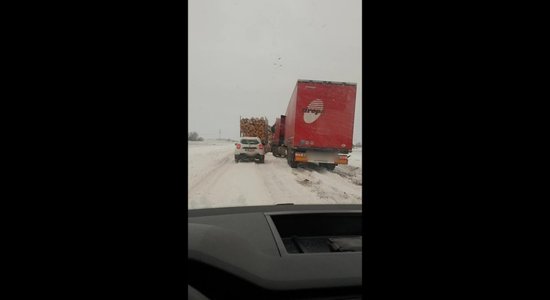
(215, 180)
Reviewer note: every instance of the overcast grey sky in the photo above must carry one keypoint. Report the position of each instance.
(246, 55)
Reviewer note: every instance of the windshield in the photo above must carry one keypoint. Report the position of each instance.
(286, 73)
(250, 142)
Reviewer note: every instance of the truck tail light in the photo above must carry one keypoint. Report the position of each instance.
(238, 146)
(342, 160)
(298, 156)
(260, 146)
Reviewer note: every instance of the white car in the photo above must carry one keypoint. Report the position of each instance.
(249, 148)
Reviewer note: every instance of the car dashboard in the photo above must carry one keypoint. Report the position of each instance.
(275, 252)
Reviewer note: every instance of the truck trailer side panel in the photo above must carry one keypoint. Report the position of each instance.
(290, 118)
(320, 115)
(277, 133)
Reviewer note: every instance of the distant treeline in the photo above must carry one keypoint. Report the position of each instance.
(193, 136)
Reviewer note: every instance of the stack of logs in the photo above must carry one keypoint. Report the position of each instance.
(257, 127)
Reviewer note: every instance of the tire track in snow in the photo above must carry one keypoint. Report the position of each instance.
(327, 185)
(209, 179)
(197, 180)
(281, 186)
(352, 173)
(215, 180)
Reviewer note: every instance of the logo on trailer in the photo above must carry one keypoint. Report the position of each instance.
(313, 111)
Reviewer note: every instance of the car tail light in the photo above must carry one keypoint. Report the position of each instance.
(260, 146)
(238, 146)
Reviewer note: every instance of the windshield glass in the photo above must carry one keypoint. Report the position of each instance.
(250, 142)
(288, 73)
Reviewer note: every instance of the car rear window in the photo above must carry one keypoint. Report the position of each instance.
(250, 142)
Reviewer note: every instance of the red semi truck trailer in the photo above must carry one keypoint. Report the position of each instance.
(318, 125)
(277, 142)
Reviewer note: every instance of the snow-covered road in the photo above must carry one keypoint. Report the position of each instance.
(215, 180)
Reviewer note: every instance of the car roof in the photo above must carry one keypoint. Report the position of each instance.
(249, 138)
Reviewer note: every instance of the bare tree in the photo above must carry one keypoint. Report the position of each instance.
(193, 136)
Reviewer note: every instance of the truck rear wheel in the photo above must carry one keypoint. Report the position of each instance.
(290, 159)
(275, 151)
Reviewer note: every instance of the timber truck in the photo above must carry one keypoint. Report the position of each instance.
(256, 127)
(318, 125)
(278, 137)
